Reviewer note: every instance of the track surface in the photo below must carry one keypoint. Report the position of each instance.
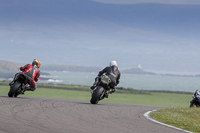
(43, 115)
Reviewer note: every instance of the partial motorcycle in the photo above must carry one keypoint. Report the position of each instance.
(195, 102)
(102, 90)
(19, 86)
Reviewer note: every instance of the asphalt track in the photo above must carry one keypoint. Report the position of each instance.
(43, 115)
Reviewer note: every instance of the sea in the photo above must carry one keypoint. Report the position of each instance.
(139, 82)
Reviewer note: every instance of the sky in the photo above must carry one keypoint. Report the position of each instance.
(180, 2)
(159, 35)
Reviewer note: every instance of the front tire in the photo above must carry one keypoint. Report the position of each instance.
(14, 89)
(192, 104)
(97, 93)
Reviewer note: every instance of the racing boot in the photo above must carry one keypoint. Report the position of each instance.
(92, 87)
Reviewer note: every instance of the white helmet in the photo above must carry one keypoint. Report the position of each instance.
(113, 63)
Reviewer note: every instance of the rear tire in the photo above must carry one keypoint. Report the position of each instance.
(96, 95)
(14, 89)
(198, 105)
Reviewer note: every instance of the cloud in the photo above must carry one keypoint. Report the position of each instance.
(175, 2)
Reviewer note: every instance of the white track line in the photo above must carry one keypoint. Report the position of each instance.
(148, 117)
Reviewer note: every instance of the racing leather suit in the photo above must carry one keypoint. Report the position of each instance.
(32, 73)
(113, 73)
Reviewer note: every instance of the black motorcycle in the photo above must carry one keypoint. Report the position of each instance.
(195, 102)
(19, 86)
(102, 90)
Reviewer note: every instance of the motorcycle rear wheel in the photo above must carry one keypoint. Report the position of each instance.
(96, 95)
(14, 89)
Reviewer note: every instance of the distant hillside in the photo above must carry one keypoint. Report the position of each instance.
(136, 71)
(69, 68)
(10, 67)
(6, 66)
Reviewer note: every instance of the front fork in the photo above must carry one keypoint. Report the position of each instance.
(104, 93)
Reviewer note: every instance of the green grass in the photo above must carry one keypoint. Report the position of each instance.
(51, 93)
(159, 99)
(185, 118)
(181, 116)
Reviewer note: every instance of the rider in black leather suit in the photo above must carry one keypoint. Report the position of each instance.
(112, 72)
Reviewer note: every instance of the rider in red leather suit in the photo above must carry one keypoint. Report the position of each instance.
(32, 72)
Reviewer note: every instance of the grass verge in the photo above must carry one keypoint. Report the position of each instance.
(185, 118)
(159, 99)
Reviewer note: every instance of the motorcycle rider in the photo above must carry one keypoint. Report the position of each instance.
(196, 92)
(195, 101)
(112, 72)
(32, 72)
